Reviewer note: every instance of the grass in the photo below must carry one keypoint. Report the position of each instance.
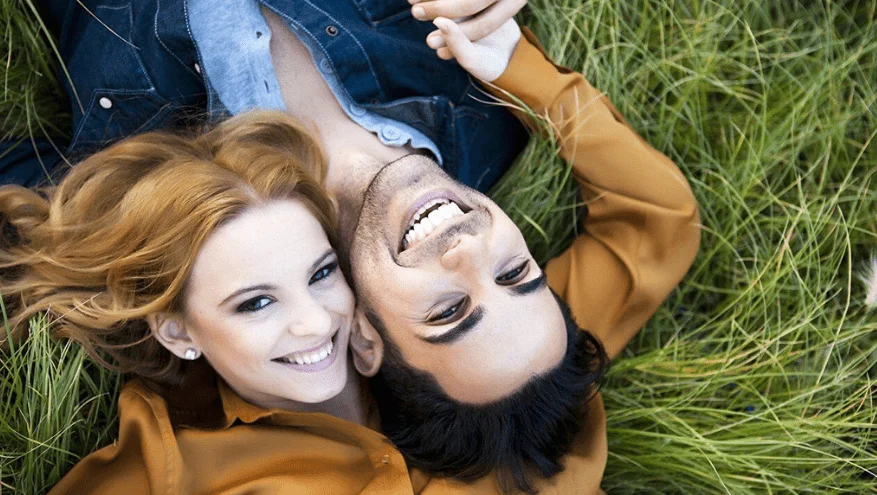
(758, 374)
(32, 103)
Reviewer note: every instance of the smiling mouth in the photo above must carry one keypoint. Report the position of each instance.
(428, 218)
(313, 359)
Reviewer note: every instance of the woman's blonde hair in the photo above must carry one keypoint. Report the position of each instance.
(116, 239)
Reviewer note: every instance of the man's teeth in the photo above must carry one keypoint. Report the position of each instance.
(308, 357)
(422, 225)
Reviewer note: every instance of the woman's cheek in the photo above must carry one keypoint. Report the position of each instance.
(240, 341)
(339, 297)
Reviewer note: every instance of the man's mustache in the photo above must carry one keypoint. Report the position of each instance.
(473, 223)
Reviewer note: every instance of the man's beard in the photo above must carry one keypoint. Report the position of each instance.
(364, 234)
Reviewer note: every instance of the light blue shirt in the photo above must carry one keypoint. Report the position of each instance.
(233, 39)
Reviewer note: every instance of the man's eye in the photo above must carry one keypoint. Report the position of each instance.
(254, 304)
(448, 313)
(514, 275)
(323, 272)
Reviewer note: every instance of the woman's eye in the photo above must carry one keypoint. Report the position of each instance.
(514, 274)
(323, 272)
(254, 304)
(448, 313)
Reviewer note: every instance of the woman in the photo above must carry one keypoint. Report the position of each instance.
(253, 449)
(163, 249)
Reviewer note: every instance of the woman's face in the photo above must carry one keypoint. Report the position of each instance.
(269, 308)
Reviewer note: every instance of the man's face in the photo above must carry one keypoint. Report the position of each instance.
(457, 289)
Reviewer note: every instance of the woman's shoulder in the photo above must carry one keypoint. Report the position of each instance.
(139, 457)
(192, 402)
(145, 453)
(142, 403)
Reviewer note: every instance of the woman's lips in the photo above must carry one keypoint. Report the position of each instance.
(320, 357)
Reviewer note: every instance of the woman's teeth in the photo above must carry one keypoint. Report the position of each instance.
(308, 357)
(428, 218)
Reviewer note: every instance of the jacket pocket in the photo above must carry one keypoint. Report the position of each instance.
(114, 114)
(106, 54)
(116, 92)
(383, 11)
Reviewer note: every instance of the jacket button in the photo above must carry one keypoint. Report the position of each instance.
(385, 459)
(331, 30)
(106, 103)
(390, 133)
(197, 68)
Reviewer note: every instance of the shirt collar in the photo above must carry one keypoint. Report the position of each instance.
(236, 408)
(203, 400)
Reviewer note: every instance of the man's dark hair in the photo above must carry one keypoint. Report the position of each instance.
(528, 430)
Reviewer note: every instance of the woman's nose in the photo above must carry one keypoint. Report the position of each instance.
(310, 320)
(463, 252)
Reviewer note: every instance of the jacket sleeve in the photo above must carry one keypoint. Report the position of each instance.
(642, 231)
(27, 163)
(137, 463)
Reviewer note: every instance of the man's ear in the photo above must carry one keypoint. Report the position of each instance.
(170, 331)
(367, 346)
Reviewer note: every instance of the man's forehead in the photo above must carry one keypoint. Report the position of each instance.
(535, 309)
(512, 347)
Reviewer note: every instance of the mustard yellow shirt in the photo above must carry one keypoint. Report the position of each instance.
(638, 240)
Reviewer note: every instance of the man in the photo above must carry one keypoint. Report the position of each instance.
(469, 323)
(139, 66)
(475, 339)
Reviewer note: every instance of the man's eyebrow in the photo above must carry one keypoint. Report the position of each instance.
(460, 330)
(530, 287)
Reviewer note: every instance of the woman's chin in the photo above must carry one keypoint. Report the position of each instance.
(326, 384)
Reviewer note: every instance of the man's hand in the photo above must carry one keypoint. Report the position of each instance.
(486, 58)
(476, 18)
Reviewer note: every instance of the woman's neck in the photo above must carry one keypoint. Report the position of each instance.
(348, 405)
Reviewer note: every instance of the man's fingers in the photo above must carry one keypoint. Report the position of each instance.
(457, 43)
(427, 11)
(475, 27)
(444, 53)
(491, 19)
(435, 40)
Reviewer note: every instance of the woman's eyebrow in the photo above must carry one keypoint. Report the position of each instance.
(247, 289)
(316, 264)
(329, 252)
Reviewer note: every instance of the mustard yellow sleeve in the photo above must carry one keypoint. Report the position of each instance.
(137, 463)
(642, 231)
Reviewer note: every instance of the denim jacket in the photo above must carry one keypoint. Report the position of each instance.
(134, 67)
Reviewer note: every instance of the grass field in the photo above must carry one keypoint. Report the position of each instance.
(758, 374)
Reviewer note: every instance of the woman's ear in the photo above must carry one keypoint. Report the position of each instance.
(367, 346)
(170, 331)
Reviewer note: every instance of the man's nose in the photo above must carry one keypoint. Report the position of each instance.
(463, 252)
(310, 319)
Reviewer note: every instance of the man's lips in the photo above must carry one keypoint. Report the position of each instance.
(428, 214)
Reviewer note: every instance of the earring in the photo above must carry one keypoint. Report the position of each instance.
(191, 354)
